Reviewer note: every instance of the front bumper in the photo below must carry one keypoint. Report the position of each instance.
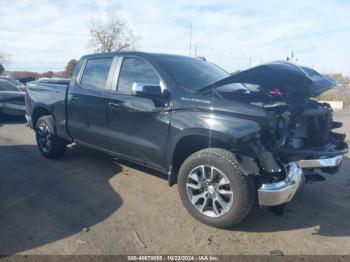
(274, 194)
(321, 162)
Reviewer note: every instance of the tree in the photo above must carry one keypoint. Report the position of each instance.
(113, 35)
(69, 68)
(48, 74)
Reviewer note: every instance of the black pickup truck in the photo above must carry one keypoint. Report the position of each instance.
(226, 140)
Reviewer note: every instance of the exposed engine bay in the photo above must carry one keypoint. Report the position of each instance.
(298, 128)
(296, 135)
(304, 131)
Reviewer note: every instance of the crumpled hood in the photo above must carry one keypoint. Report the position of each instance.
(293, 80)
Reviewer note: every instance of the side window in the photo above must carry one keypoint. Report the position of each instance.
(96, 73)
(135, 70)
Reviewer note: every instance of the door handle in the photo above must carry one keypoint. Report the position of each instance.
(114, 105)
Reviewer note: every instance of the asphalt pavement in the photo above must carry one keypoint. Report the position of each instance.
(91, 203)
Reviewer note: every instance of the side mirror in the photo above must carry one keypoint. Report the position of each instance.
(146, 89)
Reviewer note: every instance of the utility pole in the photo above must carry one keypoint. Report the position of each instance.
(195, 50)
(191, 38)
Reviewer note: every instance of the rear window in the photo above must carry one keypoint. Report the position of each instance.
(96, 73)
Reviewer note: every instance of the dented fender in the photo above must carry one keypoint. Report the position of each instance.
(224, 128)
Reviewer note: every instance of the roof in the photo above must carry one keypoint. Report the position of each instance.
(133, 53)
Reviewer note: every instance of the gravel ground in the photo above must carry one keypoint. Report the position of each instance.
(90, 203)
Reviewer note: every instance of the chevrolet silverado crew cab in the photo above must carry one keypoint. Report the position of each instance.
(226, 140)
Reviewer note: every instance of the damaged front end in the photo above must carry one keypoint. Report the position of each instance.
(298, 136)
(307, 136)
(300, 139)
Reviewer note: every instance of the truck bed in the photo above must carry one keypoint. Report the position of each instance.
(50, 94)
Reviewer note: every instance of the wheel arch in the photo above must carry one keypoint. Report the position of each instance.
(38, 112)
(193, 140)
(190, 143)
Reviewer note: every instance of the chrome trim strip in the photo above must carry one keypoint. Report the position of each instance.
(321, 162)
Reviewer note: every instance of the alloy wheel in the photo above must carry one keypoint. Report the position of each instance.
(44, 137)
(209, 190)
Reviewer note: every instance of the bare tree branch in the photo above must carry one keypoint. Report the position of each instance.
(114, 35)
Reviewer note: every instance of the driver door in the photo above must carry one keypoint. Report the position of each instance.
(137, 127)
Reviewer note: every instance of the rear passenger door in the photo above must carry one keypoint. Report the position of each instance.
(86, 102)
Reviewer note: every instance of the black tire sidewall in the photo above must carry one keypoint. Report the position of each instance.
(58, 144)
(231, 171)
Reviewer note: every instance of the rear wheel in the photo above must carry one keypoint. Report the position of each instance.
(49, 144)
(213, 188)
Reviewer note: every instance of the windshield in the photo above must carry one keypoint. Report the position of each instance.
(194, 73)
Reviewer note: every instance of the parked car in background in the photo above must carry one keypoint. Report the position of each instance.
(226, 139)
(19, 85)
(11, 99)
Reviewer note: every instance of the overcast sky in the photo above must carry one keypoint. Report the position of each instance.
(44, 35)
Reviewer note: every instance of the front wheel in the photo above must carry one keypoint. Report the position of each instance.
(50, 145)
(214, 189)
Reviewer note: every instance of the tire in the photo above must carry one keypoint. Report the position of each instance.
(229, 196)
(50, 145)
